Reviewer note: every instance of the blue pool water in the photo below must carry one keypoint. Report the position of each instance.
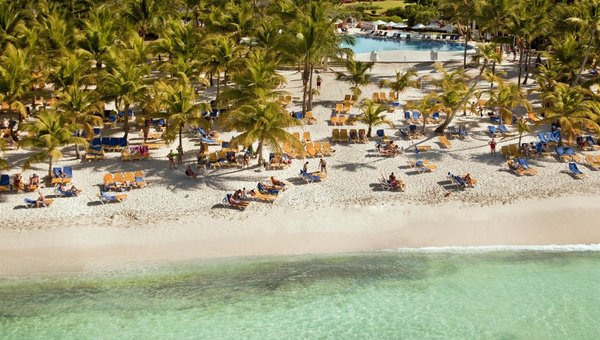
(495, 295)
(367, 45)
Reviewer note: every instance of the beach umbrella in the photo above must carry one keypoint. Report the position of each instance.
(379, 22)
(418, 26)
(400, 25)
(448, 28)
(390, 24)
(433, 26)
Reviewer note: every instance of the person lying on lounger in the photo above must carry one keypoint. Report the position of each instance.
(190, 173)
(515, 165)
(395, 183)
(277, 182)
(41, 200)
(468, 180)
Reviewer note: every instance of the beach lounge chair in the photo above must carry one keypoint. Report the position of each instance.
(515, 167)
(533, 117)
(326, 148)
(362, 136)
(334, 120)
(504, 130)
(262, 197)
(66, 193)
(591, 161)
(140, 182)
(417, 116)
(5, 183)
(308, 177)
(591, 144)
(569, 152)
(382, 97)
(492, 130)
(268, 191)
(393, 97)
(381, 134)
(407, 116)
(64, 175)
(444, 142)
(306, 136)
(335, 135)
(575, 170)
(422, 148)
(458, 181)
(339, 108)
(109, 182)
(347, 108)
(560, 152)
(422, 166)
(229, 201)
(31, 203)
(375, 97)
(108, 198)
(528, 170)
(310, 149)
(353, 136)
(343, 136)
(343, 119)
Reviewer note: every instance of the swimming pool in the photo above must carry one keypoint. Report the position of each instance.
(367, 45)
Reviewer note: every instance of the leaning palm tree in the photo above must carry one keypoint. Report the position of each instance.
(81, 106)
(49, 133)
(572, 110)
(372, 116)
(356, 74)
(427, 106)
(401, 82)
(179, 100)
(264, 122)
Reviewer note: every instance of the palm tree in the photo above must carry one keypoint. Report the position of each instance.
(454, 85)
(11, 23)
(70, 69)
(81, 106)
(179, 100)
(3, 163)
(401, 82)
(264, 122)
(463, 13)
(522, 127)
(49, 133)
(222, 56)
(99, 34)
(356, 74)
(507, 97)
(372, 116)
(588, 18)
(427, 106)
(572, 110)
(16, 77)
(123, 83)
(145, 15)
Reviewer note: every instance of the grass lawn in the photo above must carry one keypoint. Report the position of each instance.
(382, 4)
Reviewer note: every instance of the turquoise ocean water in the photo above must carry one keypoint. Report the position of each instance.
(408, 295)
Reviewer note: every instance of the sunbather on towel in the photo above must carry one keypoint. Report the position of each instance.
(515, 165)
(468, 180)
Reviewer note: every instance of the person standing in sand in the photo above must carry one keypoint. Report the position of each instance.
(305, 167)
(171, 158)
(492, 144)
(319, 82)
(323, 166)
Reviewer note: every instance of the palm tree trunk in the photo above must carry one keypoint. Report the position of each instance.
(585, 58)
(520, 67)
(527, 64)
(225, 79)
(259, 151)
(369, 130)
(310, 94)
(305, 78)
(180, 138)
(424, 124)
(218, 86)
(50, 167)
(77, 156)
(126, 123)
(467, 38)
(520, 136)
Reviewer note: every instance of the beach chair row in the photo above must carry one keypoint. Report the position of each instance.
(340, 120)
(343, 108)
(305, 136)
(223, 158)
(285, 100)
(311, 149)
(380, 97)
(410, 132)
(119, 181)
(350, 99)
(64, 175)
(352, 136)
(308, 118)
(109, 143)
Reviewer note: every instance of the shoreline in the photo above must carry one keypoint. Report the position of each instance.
(75, 250)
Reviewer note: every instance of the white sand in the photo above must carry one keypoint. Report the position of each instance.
(176, 218)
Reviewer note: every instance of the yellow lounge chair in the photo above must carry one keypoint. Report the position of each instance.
(139, 179)
(347, 108)
(287, 148)
(533, 117)
(155, 145)
(259, 196)
(335, 135)
(343, 136)
(362, 136)
(375, 97)
(213, 159)
(310, 148)
(320, 148)
(444, 141)
(591, 161)
(296, 135)
(347, 98)
(306, 136)
(339, 108)
(343, 120)
(326, 148)
(517, 170)
(382, 97)
(334, 120)
(423, 148)
(119, 178)
(393, 97)
(310, 118)
(413, 164)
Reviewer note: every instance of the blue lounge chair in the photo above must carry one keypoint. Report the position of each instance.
(298, 115)
(542, 137)
(492, 129)
(524, 164)
(209, 141)
(380, 133)
(407, 115)
(123, 142)
(309, 178)
(575, 170)
(264, 190)
(105, 141)
(435, 116)
(503, 129)
(56, 172)
(113, 143)
(404, 131)
(108, 198)
(495, 120)
(560, 152)
(590, 141)
(416, 115)
(554, 136)
(228, 201)
(68, 171)
(539, 148)
(63, 193)
(412, 128)
(4, 183)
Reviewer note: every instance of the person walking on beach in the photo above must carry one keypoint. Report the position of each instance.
(323, 166)
(171, 158)
(492, 144)
(319, 82)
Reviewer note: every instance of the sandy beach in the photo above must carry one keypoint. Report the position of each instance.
(177, 218)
